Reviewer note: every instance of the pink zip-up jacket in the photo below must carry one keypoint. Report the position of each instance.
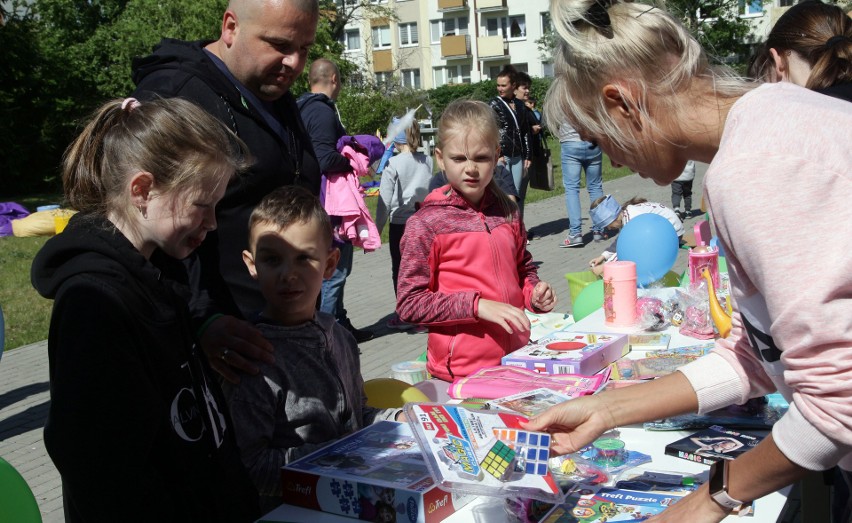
(343, 198)
(779, 189)
(453, 255)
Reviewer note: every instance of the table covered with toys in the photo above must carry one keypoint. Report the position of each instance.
(469, 459)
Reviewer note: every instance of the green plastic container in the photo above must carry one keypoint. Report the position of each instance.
(577, 281)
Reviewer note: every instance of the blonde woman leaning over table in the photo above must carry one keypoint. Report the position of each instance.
(632, 79)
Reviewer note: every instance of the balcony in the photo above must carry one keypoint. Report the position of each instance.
(490, 6)
(446, 6)
(382, 61)
(492, 48)
(455, 46)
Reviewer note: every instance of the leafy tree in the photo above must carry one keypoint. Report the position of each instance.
(718, 27)
(22, 106)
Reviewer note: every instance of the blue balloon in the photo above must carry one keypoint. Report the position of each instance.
(650, 241)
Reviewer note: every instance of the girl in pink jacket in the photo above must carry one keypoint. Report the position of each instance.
(465, 271)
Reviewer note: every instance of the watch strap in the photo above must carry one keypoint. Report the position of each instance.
(719, 490)
(721, 497)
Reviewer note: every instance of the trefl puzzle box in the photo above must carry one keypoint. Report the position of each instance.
(375, 474)
(565, 352)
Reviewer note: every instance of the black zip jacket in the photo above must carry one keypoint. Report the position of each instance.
(184, 69)
(136, 427)
(514, 137)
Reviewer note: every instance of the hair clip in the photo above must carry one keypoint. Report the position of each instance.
(129, 104)
(597, 15)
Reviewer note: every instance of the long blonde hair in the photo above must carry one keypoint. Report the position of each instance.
(606, 40)
(463, 115)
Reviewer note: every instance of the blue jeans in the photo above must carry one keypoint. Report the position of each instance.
(515, 164)
(332, 288)
(576, 156)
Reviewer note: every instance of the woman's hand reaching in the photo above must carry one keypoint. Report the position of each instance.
(573, 424)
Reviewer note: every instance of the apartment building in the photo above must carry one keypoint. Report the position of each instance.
(431, 43)
(437, 42)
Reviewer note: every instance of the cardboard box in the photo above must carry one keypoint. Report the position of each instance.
(375, 474)
(567, 352)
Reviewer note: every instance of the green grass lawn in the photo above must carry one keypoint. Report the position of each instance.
(27, 314)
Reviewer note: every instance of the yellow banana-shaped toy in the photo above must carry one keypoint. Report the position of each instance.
(720, 318)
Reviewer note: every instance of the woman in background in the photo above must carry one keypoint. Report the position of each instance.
(810, 45)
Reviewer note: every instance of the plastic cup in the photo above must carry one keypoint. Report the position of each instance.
(620, 295)
(410, 372)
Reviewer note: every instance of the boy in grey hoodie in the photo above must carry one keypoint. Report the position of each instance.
(314, 393)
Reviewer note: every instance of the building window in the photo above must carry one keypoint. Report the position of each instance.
(384, 79)
(546, 23)
(352, 39)
(411, 78)
(381, 37)
(547, 70)
(448, 27)
(408, 34)
(751, 7)
(785, 3)
(509, 27)
(454, 74)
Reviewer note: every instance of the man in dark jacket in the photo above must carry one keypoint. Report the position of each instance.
(244, 79)
(324, 127)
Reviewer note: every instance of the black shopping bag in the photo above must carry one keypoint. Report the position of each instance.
(541, 176)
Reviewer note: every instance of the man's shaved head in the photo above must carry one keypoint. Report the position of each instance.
(251, 9)
(322, 72)
(265, 43)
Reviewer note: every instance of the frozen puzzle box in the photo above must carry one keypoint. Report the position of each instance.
(375, 474)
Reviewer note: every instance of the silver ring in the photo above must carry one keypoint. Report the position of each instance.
(224, 353)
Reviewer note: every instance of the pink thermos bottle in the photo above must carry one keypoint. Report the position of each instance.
(619, 279)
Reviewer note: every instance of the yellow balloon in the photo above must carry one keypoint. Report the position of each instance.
(388, 393)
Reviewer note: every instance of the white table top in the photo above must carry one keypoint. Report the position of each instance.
(491, 509)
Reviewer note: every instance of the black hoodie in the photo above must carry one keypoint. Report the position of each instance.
(184, 69)
(136, 428)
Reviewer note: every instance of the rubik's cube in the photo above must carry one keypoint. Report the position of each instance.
(499, 461)
(532, 448)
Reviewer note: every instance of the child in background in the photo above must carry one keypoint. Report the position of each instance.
(314, 393)
(607, 214)
(405, 183)
(465, 271)
(682, 186)
(138, 426)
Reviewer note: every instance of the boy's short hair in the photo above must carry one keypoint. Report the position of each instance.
(288, 205)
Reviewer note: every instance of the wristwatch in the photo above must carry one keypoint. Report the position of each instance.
(719, 489)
